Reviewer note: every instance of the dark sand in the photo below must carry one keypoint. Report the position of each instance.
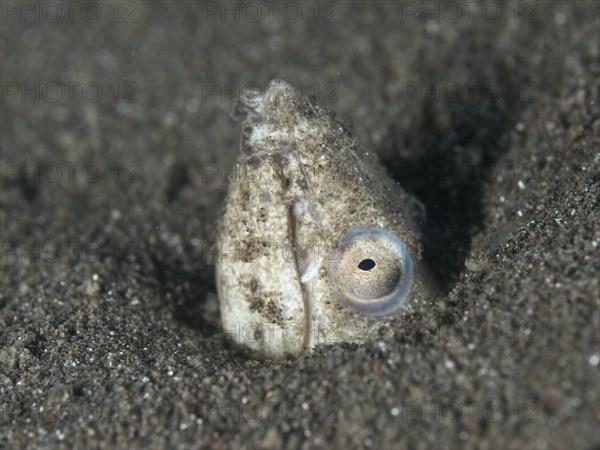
(108, 302)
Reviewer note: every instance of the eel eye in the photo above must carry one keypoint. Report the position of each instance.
(373, 272)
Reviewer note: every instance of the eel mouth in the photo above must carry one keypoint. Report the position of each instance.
(305, 288)
(273, 110)
(299, 261)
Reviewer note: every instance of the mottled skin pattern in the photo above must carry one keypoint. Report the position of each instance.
(304, 184)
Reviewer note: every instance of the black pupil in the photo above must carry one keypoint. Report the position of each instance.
(366, 264)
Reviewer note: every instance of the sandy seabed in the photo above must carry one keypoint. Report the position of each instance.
(116, 149)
